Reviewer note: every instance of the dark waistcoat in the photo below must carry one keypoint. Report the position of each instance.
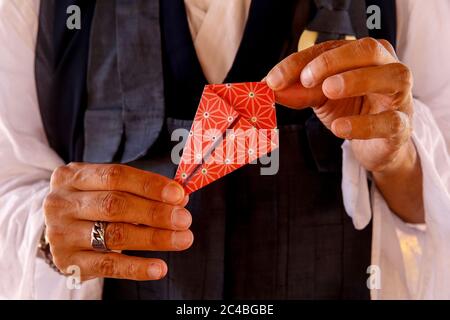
(285, 236)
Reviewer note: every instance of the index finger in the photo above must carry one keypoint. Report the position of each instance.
(116, 177)
(356, 54)
(287, 72)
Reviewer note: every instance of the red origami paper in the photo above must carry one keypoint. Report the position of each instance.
(235, 124)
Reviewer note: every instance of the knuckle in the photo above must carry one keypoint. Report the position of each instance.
(152, 238)
(326, 61)
(404, 75)
(75, 165)
(154, 211)
(110, 175)
(369, 43)
(385, 43)
(131, 270)
(323, 47)
(112, 204)
(55, 204)
(371, 47)
(51, 203)
(57, 239)
(148, 185)
(116, 235)
(293, 60)
(107, 267)
(288, 63)
(398, 122)
(60, 176)
(53, 235)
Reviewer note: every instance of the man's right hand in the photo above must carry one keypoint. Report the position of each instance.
(144, 211)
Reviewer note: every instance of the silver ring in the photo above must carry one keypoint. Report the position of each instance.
(98, 242)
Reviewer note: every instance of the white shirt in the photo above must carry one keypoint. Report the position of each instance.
(217, 28)
(414, 262)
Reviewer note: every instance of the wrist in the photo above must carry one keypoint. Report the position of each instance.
(400, 183)
(405, 161)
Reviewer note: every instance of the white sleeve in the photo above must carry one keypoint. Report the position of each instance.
(26, 165)
(414, 260)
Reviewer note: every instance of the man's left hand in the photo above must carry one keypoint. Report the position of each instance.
(360, 91)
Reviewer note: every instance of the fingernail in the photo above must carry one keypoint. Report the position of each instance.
(343, 128)
(334, 85)
(154, 271)
(307, 77)
(182, 240)
(275, 78)
(172, 193)
(181, 218)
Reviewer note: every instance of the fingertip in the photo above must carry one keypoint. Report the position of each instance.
(154, 271)
(342, 128)
(164, 269)
(182, 240)
(306, 77)
(192, 238)
(181, 218)
(157, 270)
(275, 79)
(333, 87)
(173, 193)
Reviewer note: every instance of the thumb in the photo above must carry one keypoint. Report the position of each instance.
(298, 97)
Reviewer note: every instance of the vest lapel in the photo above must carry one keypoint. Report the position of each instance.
(141, 74)
(125, 82)
(60, 71)
(103, 124)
